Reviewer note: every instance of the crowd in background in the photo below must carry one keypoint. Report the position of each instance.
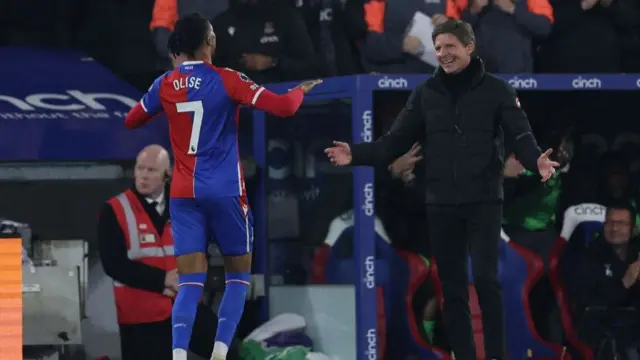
(280, 40)
(285, 40)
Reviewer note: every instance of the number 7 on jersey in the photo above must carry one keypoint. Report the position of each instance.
(197, 109)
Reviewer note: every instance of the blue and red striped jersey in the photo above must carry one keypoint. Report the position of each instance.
(201, 103)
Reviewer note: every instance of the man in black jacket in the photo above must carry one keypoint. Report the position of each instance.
(458, 117)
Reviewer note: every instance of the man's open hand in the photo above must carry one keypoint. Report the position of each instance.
(546, 167)
(339, 154)
(406, 162)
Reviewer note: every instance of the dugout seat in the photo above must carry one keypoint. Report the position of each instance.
(518, 270)
(398, 274)
(590, 217)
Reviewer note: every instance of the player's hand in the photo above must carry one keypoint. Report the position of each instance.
(257, 62)
(308, 85)
(171, 280)
(412, 45)
(546, 167)
(478, 5)
(438, 19)
(340, 154)
(406, 162)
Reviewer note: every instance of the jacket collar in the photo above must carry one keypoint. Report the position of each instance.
(143, 199)
(468, 78)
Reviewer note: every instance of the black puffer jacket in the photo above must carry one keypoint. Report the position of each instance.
(459, 120)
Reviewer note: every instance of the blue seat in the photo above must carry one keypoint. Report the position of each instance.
(520, 270)
(590, 217)
(398, 274)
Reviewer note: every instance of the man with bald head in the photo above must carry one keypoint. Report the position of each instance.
(136, 249)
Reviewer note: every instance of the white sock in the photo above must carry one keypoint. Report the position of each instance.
(179, 354)
(220, 351)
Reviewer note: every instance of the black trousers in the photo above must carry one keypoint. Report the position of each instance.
(455, 232)
(146, 341)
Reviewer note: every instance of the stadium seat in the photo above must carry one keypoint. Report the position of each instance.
(398, 276)
(590, 217)
(519, 270)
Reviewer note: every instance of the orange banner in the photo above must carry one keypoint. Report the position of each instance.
(11, 299)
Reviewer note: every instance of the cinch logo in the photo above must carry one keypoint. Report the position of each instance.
(397, 83)
(73, 100)
(370, 272)
(583, 210)
(582, 83)
(367, 126)
(368, 199)
(372, 345)
(528, 83)
(638, 83)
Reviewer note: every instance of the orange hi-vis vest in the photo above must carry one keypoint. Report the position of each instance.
(144, 244)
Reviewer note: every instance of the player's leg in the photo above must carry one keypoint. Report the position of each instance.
(232, 225)
(190, 243)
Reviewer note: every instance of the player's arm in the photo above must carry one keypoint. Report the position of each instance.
(113, 255)
(244, 91)
(148, 107)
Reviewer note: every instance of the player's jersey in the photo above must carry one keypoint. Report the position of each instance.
(202, 102)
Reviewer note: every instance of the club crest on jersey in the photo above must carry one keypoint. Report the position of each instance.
(243, 77)
(268, 28)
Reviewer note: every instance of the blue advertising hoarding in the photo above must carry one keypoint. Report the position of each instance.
(64, 106)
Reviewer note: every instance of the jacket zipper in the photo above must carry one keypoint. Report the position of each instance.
(459, 133)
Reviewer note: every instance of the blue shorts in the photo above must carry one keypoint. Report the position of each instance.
(226, 221)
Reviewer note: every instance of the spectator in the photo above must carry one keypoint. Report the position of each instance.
(335, 28)
(530, 220)
(387, 47)
(267, 41)
(167, 12)
(586, 36)
(609, 275)
(615, 184)
(506, 30)
(530, 206)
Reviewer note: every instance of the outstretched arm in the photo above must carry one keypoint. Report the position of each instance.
(406, 130)
(148, 107)
(244, 91)
(516, 125)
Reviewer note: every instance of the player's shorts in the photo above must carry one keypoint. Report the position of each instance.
(226, 221)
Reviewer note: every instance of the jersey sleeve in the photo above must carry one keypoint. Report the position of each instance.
(240, 88)
(151, 100)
